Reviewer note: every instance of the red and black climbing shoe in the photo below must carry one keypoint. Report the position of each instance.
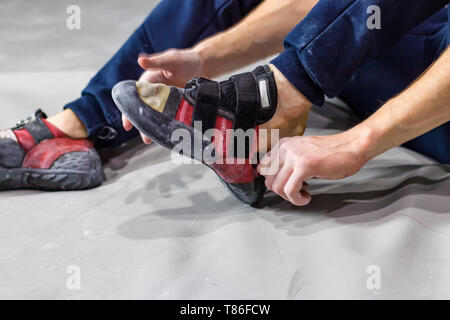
(214, 122)
(37, 155)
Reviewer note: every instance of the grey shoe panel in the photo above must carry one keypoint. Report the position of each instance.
(174, 99)
(38, 130)
(80, 160)
(11, 154)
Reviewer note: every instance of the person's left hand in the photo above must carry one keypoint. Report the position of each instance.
(295, 160)
(174, 67)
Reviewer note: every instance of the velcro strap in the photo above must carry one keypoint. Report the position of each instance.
(206, 103)
(246, 113)
(38, 130)
(247, 105)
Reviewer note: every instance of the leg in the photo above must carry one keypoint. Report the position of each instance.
(306, 64)
(267, 97)
(172, 24)
(54, 154)
(333, 41)
(379, 80)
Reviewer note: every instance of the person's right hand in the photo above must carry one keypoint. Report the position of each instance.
(173, 67)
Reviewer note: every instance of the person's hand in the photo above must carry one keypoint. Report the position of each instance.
(295, 160)
(172, 67)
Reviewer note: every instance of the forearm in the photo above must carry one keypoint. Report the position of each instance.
(327, 48)
(422, 107)
(257, 36)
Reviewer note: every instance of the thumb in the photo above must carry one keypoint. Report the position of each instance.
(168, 60)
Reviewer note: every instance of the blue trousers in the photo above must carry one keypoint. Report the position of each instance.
(394, 60)
(172, 24)
(333, 52)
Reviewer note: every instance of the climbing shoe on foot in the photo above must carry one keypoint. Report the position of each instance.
(216, 123)
(37, 155)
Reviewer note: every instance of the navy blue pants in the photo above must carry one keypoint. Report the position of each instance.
(333, 52)
(172, 24)
(364, 71)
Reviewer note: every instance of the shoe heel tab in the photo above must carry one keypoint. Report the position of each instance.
(56, 132)
(40, 114)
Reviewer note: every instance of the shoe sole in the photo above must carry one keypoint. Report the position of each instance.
(145, 119)
(60, 179)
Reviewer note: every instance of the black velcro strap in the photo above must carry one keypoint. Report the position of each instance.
(246, 113)
(38, 130)
(206, 103)
(247, 105)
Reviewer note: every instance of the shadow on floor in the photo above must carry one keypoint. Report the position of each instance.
(329, 209)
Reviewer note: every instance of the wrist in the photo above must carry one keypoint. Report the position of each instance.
(221, 54)
(205, 57)
(363, 142)
(381, 131)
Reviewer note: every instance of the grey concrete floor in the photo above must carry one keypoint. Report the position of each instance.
(34, 35)
(156, 229)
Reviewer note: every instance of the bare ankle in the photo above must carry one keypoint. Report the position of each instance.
(68, 122)
(292, 109)
(291, 102)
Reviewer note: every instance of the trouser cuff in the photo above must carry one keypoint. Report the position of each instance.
(289, 65)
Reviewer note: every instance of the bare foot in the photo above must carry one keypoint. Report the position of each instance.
(68, 122)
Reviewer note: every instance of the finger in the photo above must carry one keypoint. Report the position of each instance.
(263, 166)
(269, 181)
(299, 198)
(165, 60)
(151, 76)
(281, 180)
(294, 189)
(270, 163)
(145, 139)
(127, 125)
(306, 196)
(264, 162)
